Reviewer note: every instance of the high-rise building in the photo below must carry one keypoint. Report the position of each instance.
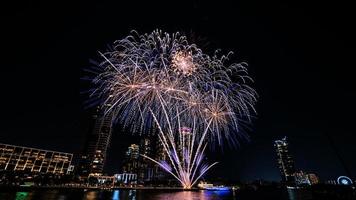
(146, 166)
(133, 152)
(285, 161)
(93, 158)
(186, 141)
(131, 161)
(159, 173)
(141, 168)
(146, 147)
(26, 159)
(137, 168)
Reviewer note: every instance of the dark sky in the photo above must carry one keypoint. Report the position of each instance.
(301, 56)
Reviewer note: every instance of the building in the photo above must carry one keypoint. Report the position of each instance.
(313, 179)
(146, 166)
(146, 147)
(131, 161)
(133, 152)
(285, 161)
(301, 179)
(126, 178)
(93, 158)
(138, 169)
(187, 134)
(26, 159)
(159, 173)
(105, 180)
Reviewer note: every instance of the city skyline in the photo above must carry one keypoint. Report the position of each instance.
(293, 60)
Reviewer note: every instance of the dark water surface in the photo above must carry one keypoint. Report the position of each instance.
(262, 193)
(115, 195)
(55, 194)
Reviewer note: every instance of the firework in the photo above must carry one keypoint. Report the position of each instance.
(184, 149)
(143, 72)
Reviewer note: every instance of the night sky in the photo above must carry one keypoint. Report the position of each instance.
(300, 55)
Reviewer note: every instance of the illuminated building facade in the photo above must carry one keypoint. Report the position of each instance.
(26, 159)
(187, 134)
(159, 173)
(131, 162)
(285, 161)
(301, 178)
(126, 178)
(93, 158)
(146, 167)
(137, 168)
(313, 179)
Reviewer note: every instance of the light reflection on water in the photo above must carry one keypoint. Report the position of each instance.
(92, 195)
(187, 195)
(77, 194)
(21, 195)
(116, 195)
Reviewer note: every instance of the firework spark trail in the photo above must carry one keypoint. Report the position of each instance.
(185, 159)
(143, 70)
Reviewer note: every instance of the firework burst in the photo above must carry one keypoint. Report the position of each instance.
(144, 72)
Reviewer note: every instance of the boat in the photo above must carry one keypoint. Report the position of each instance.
(211, 187)
(204, 185)
(219, 188)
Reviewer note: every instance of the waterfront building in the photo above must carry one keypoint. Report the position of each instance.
(126, 178)
(133, 152)
(313, 179)
(285, 161)
(146, 167)
(27, 159)
(105, 180)
(186, 140)
(131, 161)
(93, 158)
(159, 173)
(301, 178)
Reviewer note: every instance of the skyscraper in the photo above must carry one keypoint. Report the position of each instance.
(146, 167)
(133, 151)
(93, 158)
(285, 161)
(160, 154)
(131, 161)
(186, 141)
